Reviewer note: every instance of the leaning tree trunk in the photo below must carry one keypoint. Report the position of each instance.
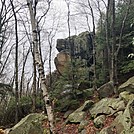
(40, 67)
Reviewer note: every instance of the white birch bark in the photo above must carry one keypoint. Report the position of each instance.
(40, 67)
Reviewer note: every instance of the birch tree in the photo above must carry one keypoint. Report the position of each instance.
(34, 24)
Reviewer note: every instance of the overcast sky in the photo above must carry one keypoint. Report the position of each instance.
(56, 19)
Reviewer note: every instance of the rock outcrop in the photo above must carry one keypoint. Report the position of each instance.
(106, 106)
(80, 46)
(119, 110)
(123, 123)
(127, 86)
(31, 124)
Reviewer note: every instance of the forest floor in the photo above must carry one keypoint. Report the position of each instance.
(63, 128)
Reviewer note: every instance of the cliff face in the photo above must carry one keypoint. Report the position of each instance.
(79, 47)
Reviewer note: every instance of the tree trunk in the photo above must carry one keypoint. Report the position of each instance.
(94, 47)
(71, 50)
(16, 63)
(40, 67)
(107, 21)
(120, 40)
(22, 74)
(34, 85)
(112, 76)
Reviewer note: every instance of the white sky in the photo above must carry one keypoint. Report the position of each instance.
(57, 15)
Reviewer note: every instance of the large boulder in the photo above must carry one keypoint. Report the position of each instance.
(106, 106)
(81, 46)
(127, 86)
(31, 124)
(79, 114)
(76, 117)
(124, 121)
(130, 131)
(106, 90)
(126, 96)
(61, 61)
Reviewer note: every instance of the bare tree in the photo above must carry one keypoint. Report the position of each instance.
(23, 72)
(38, 62)
(16, 62)
(51, 36)
(5, 16)
(94, 46)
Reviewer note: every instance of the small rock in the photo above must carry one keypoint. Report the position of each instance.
(86, 105)
(107, 130)
(82, 125)
(67, 114)
(83, 131)
(99, 121)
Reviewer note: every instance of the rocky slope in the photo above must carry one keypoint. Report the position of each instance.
(108, 115)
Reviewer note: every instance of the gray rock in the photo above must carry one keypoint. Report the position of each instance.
(106, 106)
(126, 96)
(86, 93)
(79, 42)
(107, 130)
(84, 85)
(76, 117)
(87, 104)
(79, 114)
(67, 114)
(127, 86)
(123, 122)
(82, 125)
(83, 131)
(31, 124)
(89, 92)
(131, 131)
(99, 121)
(106, 90)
